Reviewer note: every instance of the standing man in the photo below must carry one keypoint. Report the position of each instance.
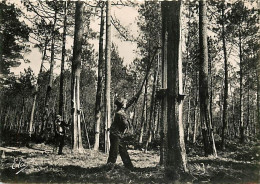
(60, 126)
(117, 130)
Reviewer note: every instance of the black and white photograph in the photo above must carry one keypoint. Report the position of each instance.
(130, 91)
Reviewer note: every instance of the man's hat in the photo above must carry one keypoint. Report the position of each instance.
(58, 116)
(120, 102)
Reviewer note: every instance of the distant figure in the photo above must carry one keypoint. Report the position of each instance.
(117, 130)
(60, 127)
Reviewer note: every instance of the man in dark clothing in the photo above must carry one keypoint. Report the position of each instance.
(60, 133)
(117, 130)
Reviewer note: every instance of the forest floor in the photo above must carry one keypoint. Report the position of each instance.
(238, 164)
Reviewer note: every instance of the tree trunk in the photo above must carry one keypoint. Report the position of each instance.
(233, 114)
(7, 114)
(179, 128)
(37, 89)
(61, 97)
(108, 77)
(21, 117)
(1, 54)
(143, 117)
(158, 127)
(75, 80)
(188, 120)
(152, 108)
(224, 116)
(49, 87)
(176, 155)
(208, 138)
(86, 129)
(146, 108)
(156, 108)
(134, 117)
(196, 117)
(211, 91)
(258, 92)
(163, 120)
(241, 121)
(248, 108)
(99, 82)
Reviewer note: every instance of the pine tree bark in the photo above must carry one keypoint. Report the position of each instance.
(75, 80)
(163, 120)
(196, 116)
(63, 54)
(179, 127)
(108, 76)
(156, 107)
(176, 155)
(208, 138)
(143, 117)
(233, 115)
(225, 97)
(241, 119)
(21, 118)
(1, 53)
(99, 82)
(258, 92)
(152, 108)
(248, 107)
(37, 88)
(188, 120)
(49, 87)
(211, 91)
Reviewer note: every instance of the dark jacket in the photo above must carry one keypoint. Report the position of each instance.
(60, 127)
(120, 124)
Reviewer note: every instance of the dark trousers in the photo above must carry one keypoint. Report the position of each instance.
(117, 145)
(60, 142)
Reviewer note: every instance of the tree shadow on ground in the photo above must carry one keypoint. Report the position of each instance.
(70, 173)
(221, 170)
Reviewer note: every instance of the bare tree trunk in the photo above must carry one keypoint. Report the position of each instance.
(211, 91)
(248, 108)
(163, 120)
(99, 82)
(7, 114)
(156, 108)
(85, 127)
(258, 92)
(208, 138)
(158, 127)
(37, 89)
(233, 114)
(241, 121)
(143, 117)
(75, 80)
(61, 97)
(21, 117)
(65, 109)
(188, 120)
(134, 118)
(152, 108)
(46, 113)
(224, 120)
(155, 119)
(196, 117)
(108, 77)
(146, 109)
(179, 126)
(176, 155)
(1, 54)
